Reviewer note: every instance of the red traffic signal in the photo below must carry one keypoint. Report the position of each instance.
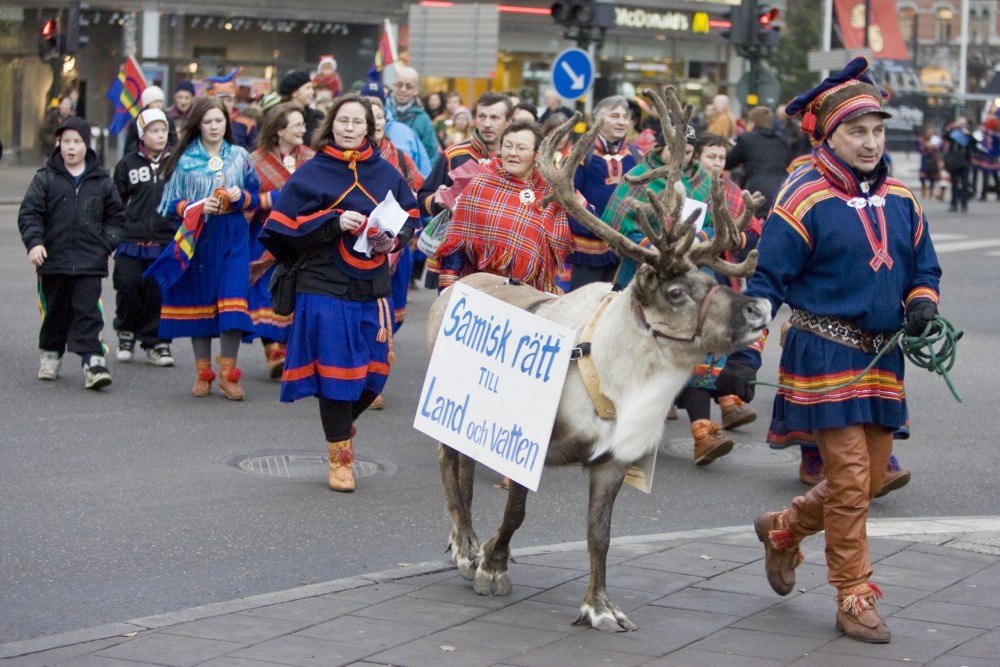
(50, 29)
(768, 15)
(768, 32)
(48, 40)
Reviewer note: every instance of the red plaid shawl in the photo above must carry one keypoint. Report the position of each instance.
(272, 173)
(500, 234)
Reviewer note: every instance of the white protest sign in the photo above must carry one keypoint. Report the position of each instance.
(493, 384)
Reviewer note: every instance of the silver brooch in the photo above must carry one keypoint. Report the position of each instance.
(857, 202)
(289, 163)
(527, 196)
(215, 163)
(876, 201)
(484, 160)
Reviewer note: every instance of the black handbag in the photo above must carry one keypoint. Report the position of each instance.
(282, 288)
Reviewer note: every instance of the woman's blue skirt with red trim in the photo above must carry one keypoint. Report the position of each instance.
(337, 348)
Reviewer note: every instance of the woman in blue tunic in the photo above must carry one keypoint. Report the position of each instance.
(205, 271)
(847, 248)
(340, 342)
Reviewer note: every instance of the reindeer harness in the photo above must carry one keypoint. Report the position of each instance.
(603, 405)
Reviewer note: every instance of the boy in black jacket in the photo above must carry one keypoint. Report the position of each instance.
(69, 221)
(140, 182)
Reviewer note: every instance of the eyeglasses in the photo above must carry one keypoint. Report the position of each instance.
(404, 85)
(511, 148)
(350, 121)
(295, 126)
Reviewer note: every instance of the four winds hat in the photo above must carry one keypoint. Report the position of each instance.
(844, 96)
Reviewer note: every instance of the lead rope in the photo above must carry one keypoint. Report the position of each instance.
(920, 350)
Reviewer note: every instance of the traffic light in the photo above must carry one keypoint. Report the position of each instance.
(738, 32)
(574, 13)
(76, 27)
(767, 30)
(48, 39)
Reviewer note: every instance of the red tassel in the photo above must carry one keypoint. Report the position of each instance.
(876, 590)
(234, 375)
(808, 121)
(206, 375)
(782, 539)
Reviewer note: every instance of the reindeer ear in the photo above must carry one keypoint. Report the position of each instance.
(647, 283)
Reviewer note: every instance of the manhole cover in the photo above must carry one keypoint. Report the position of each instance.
(744, 453)
(302, 465)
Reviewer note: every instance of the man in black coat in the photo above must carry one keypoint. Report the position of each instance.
(763, 155)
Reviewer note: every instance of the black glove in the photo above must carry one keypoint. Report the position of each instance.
(736, 378)
(920, 313)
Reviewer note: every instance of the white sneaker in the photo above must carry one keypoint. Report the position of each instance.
(126, 346)
(95, 374)
(159, 355)
(51, 363)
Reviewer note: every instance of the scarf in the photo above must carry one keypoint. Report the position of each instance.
(502, 227)
(403, 163)
(272, 173)
(192, 180)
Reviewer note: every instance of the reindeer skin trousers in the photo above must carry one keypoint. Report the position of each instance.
(854, 464)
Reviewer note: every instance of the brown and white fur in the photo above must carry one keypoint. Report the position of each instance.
(644, 347)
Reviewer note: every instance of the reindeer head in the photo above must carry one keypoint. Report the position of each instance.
(673, 297)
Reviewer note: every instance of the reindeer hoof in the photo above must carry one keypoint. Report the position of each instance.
(492, 583)
(609, 619)
(466, 566)
(462, 558)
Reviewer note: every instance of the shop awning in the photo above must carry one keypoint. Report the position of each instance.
(885, 39)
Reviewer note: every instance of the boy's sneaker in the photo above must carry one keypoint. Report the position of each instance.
(126, 345)
(95, 373)
(49, 369)
(159, 355)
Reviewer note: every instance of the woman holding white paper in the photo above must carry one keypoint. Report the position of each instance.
(709, 440)
(340, 343)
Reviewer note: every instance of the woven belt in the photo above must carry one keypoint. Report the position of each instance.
(839, 331)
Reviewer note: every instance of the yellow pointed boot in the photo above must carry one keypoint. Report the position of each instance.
(203, 385)
(341, 477)
(275, 354)
(229, 378)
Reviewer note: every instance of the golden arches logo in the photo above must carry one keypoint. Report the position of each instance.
(699, 22)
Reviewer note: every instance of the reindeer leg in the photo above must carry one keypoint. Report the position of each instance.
(457, 475)
(491, 575)
(597, 610)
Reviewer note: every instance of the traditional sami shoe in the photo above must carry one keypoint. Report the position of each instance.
(781, 551)
(896, 477)
(229, 379)
(203, 385)
(857, 617)
(736, 413)
(341, 475)
(275, 354)
(709, 442)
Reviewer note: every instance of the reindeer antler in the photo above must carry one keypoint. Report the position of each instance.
(674, 246)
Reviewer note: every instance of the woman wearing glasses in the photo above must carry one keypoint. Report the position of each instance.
(280, 151)
(500, 225)
(340, 341)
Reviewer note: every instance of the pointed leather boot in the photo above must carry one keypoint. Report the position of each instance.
(229, 379)
(341, 477)
(203, 385)
(781, 551)
(857, 617)
(709, 442)
(275, 354)
(736, 413)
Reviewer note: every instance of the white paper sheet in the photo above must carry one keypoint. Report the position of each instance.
(388, 215)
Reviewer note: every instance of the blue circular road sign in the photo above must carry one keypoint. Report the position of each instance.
(572, 74)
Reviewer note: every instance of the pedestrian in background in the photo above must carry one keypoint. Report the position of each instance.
(152, 98)
(205, 271)
(763, 156)
(340, 343)
(848, 249)
(180, 110)
(70, 220)
(139, 179)
(297, 86)
(404, 107)
(280, 151)
(956, 147)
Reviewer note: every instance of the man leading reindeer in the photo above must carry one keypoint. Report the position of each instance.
(847, 248)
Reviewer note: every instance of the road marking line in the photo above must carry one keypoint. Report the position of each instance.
(957, 246)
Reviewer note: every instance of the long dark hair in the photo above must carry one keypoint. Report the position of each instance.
(275, 121)
(324, 133)
(192, 130)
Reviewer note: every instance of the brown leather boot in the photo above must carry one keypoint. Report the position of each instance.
(229, 378)
(203, 385)
(857, 617)
(709, 442)
(341, 476)
(275, 355)
(736, 413)
(781, 551)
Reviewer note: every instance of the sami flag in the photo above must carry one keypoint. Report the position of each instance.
(124, 94)
(384, 55)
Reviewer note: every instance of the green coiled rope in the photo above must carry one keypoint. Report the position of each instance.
(920, 350)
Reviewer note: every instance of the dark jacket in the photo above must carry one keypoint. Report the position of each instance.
(79, 224)
(140, 187)
(764, 158)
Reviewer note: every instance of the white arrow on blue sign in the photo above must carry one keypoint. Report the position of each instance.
(572, 74)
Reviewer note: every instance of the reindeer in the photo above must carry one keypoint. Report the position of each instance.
(643, 345)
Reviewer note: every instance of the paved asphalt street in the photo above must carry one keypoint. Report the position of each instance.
(129, 558)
